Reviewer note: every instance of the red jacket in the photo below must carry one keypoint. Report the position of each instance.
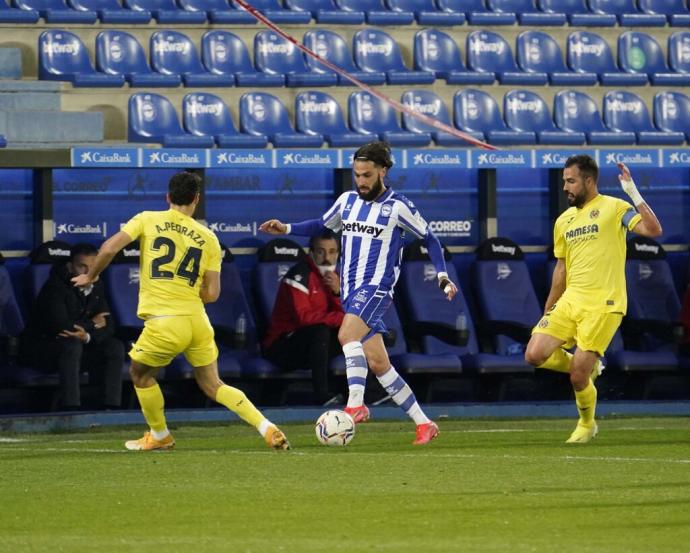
(303, 300)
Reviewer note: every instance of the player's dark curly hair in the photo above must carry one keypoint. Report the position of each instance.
(587, 166)
(184, 187)
(378, 152)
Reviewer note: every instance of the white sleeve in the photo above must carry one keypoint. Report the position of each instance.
(332, 219)
(410, 219)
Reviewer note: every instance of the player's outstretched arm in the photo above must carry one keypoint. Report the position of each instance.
(273, 226)
(649, 225)
(108, 250)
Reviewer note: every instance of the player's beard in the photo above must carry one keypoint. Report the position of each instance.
(578, 200)
(373, 193)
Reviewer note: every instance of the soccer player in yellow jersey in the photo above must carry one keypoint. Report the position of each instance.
(179, 272)
(588, 297)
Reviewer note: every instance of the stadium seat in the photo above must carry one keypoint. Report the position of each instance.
(437, 52)
(205, 114)
(262, 114)
(625, 111)
(166, 11)
(538, 52)
(675, 11)
(152, 118)
(275, 55)
(219, 11)
(627, 13)
(428, 103)
(56, 11)
(369, 115)
(476, 112)
(333, 48)
(577, 112)
(641, 53)
(119, 53)
(672, 113)
(476, 12)
(11, 14)
(489, 52)
(376, 12)
(63, 57)
(11, 326)
(679, 52)
(590, 53)
(426, 13)
(41, 261)
(577, 13)
(318, 113)
(3, 141)
(376, 51)
(527, 112)
(173, 53)
(326, 12)
(276, 13)
(224, 53)
(526, 12)
(110, 11)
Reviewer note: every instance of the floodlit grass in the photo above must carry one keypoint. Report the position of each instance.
(504, 486)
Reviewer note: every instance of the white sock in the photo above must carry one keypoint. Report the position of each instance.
(160, 435)
(403, 395)
(356, 370)
(264, 425)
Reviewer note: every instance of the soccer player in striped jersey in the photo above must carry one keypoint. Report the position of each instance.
(372, 220)
(588, 297)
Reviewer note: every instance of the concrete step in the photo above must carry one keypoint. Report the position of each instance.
(51, 127)
(10, 63)
(18, 101)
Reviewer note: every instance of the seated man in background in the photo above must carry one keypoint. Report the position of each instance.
(303, 332)
(70, 330)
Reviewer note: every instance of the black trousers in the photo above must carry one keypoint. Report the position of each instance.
(70, 357)
(310, 347)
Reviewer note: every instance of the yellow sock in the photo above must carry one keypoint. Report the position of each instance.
(558, 361)
(239, 403)
(152, 403)
(586, 401)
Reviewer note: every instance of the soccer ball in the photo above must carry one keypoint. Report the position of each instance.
(335, 428)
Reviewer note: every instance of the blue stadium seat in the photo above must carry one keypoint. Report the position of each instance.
(672, 112)
(369, 115)
(538, 52)
(437, 52)
(376, 51)
(476, 12)
(275, 55)
(527, 112)
(476, 112)
(42, 259)
(319, 114)
(276, 13)
(325, 11)
(626, 111)
(262, 114)
(679, 52)
(119, 53)
(577, 112)
(63, 57)
(627, 13)
(10, 14)
(426, 12)
(489, 52)
(333, 48)
(56, 11)
(205, 114)
(577, 12)
(3, 141)
(526, 12)
(173, 53)
(590, 53)
(224, 53)
(165, 11)
(152, 118)
(110, 11)
(675, 11)
(428, 103)
(219, 11)
(376, 12)
(641, 53)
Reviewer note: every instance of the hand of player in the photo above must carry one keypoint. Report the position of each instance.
(448, 287)
(99, 320)
(332, 280)
(79, 333)
(81, 281)
(273, 226)
(628, 184)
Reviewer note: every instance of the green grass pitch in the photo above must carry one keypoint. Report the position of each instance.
(483, 485)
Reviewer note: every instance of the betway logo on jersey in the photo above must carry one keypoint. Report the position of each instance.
(230, 227)
(57, 48)
(87, 228)
(307, 158)
(245, 158)
(275, 48)
(174, 157)
(631, 157)
(437, 158)
(355, 227)
(371, 48)
(173, 47)
(110, 157)
(647, 248)
(589, 49)
(479, 46)
(501, 158)
(451, 228)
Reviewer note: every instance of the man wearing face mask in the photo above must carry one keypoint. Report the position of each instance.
(307, 314)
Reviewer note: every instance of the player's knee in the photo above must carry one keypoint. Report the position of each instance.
(534, 356)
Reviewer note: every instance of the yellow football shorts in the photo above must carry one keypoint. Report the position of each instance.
(163, 338)
(589, 330)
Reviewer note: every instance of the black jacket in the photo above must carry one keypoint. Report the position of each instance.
(60, 305)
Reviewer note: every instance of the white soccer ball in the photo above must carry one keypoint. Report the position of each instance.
(335, 428)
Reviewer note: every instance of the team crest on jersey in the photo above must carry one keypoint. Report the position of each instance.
(386, 210)
(594, 214)
(543, 323)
